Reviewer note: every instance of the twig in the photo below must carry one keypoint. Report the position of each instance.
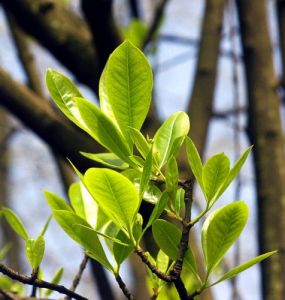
(139, 251)
(78, 276)
(155, 23)
(124, 288)
(34, 276)
(38, 283)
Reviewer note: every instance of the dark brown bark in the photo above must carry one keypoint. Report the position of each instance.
(265, 132)
(106, 38)
(60, 31)
(201, 101)
(40, 116)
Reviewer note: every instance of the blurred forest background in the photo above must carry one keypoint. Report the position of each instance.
(221, 61)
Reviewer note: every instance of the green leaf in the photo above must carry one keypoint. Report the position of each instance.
(233, 272)
(107, 159)
(55, 202)
(220, 230)
(233, 172)
(102, 129)
(140, 142)
(179, 200)
(122, 252)
(83, 235)
(172, 177)
(15, 222)
(46, 226)
(63, 91)
(214, 173)
(35, 250)
(146, 174)
(136, 32)
(5, 250)
(162, 261)
(168, 236)
(158, 209)
(115, 195)
(174, 127)
(125, 88)
(194, 161)
(55, 280)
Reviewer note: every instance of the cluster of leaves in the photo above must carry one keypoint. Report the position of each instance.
(105, 203)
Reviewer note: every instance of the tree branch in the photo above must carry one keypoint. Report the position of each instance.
(124, 288)
(38, 283)
(78, 276)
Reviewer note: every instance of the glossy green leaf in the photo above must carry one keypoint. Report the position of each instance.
(115, 195)
(102, 129)
(194, 161)
(233, 272)
(122, 252)
(83, 235)
(35, 251)
(179, 200)
(55, 202)
(15, 222)
(168, 236)
(171, 177)
(55, 280)
(140, 142)
(125, 88)
(146, 174)
(107, 159)
(158, 209)
(174, 127)
(220, 230)
(63, 91)
(214, 174)
(233, 172)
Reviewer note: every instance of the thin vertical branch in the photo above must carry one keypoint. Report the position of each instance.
(124, 288)
(78, 276)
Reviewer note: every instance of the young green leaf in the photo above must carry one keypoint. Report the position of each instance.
(233, 272)
(140, 142)
(220, 230)
(55, 280)
(162, 261)
(174, 127)
(158, 209)
(179, 200)
(63, 91)
(55, 202)
(107, 159)
(233, 173)
(35, 251)
(214, 173)
(15, 222)
(167, 236)
(136, 32)
(115, 195)
(146, 174)
(83, 235)
(5, 250)
(102, 129)
(172, 177)
(125, 88)
(194, 161)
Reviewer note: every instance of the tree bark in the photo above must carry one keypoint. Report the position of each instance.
(265, 132)
(200, 106)
(62, 32)
(39, 115)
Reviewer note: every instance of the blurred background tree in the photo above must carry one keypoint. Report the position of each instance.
(78, 36)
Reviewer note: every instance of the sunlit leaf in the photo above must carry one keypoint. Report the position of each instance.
(35, 251)
(174, 127)
(15, 222)
(55, 202)
(125, 88)
(146, 174)
(140, 142)
(220, 230)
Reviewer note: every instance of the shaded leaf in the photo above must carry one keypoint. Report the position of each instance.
(55, 280)
(122, 252)
(140, 142)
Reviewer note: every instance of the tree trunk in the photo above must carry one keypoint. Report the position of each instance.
(265, 132)
(201, 102)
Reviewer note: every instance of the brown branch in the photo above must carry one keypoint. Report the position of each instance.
(62, 32)
(38, 283)
(40, 116)
(139, 251)
(78, 276)
(124, 288)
